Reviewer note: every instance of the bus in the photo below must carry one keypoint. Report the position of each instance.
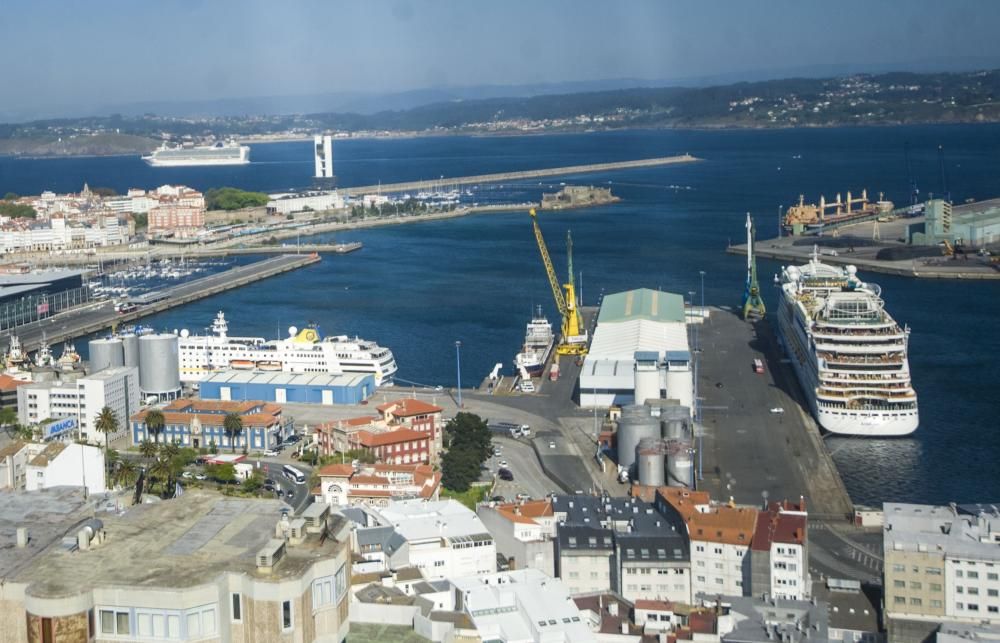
(293, 474)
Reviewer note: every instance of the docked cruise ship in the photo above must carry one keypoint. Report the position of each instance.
(188, 154)
(303, 351)
(850, 355)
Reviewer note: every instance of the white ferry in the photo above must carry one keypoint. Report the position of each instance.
(303, 351)
(188, 154)
(850, 355)
(538, 341)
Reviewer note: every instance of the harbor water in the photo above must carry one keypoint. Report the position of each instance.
(420, 288)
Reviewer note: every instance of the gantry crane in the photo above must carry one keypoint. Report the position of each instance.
(573, 340)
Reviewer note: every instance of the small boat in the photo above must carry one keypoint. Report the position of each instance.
(268, 365)
(241, 364)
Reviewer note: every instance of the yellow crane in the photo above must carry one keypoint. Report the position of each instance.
(573, 340)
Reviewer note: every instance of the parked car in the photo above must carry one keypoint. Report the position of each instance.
(187, 474)
(505, 474)
(200, 476)
(777, 409)
(271, 453)
(269, 481)
(503, 463)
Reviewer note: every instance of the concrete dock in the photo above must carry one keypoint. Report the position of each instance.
(862, 253)
(98, 316)
(748, 449)
(500, 177)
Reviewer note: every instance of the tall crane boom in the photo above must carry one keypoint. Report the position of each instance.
(569, 257)
(573, 341)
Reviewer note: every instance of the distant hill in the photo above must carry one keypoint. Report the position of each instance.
(863, 99)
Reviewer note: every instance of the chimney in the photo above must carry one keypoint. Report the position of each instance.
(22, 537)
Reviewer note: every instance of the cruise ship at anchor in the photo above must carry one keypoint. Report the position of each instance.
(188, 154)
(303, 351)
(848, 352)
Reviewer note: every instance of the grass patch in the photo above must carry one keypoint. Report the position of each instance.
(468, 498)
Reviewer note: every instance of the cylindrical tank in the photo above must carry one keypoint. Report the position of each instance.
(651, 462)
(674, 429)
(106, 353)
(680, 464)
(647, 381)
(130, 347)
(159, 371)
(635, 424)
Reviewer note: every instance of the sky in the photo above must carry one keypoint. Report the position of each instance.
(67, 56)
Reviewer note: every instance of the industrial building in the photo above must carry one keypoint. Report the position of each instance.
(29, 296)
(974, 224)
(280, 387)
(655, 445)
(80, 401)
(226, 569)
(647, 322)
(200, 424)
(291, 202)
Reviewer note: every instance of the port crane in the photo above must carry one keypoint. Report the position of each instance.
(753, 304)
(573, 340)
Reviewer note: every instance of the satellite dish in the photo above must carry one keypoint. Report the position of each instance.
(292, 331)
(185, 333)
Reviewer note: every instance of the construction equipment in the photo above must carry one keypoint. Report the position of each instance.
(573, 340)
(753, 304)
(569, 260)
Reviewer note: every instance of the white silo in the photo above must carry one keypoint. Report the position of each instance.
(159, 369)
(105, 353)
(130, 344)
(635, 424)
(651, 462)
(680, 380)
(647, 376)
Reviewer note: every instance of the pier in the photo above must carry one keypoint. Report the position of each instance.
(501, 177)
(97, 316)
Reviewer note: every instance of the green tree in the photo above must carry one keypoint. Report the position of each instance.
(107, 423)
(155, 423)
(459, 468)
(232, 425)
(162, 471)
(8, 416)
(225, 473)
(124, 474)
(254, 482)
(17, 210)
(469, 430)
(234, 199)
(148, 448)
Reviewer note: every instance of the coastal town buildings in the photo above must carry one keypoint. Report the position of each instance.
(200, 424)
(30, 466)
(405, 431)
(82, 400)
(376, 485)
(227, 569)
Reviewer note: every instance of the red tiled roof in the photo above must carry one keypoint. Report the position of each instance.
(339, 470)
(360, 478)
(408, 407)
(773, 526)
(209, 419)
(369, 439)
(8, 383)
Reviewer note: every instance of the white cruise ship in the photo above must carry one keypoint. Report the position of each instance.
(188, 154)
(850, 355)
(303, 351)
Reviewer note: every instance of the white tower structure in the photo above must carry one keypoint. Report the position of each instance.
(647, 376)
(324, 156)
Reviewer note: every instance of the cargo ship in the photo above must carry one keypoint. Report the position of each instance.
(810, 216)
(303, 351)
(538, 342)
(848, 352)
(189, 154)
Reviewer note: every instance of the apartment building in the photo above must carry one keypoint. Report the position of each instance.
(524, 532)
(941, 563)
(226, 569)
(779, 556)
(29, 466)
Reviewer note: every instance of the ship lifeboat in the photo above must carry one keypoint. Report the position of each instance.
(269, 365)
(241, 364)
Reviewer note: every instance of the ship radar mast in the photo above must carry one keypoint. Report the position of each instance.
(219, 326)
(753, 304)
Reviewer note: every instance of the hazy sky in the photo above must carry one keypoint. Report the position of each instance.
(55, 54)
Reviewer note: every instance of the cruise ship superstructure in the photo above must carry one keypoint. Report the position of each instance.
(303, 351)
(186, 155)
(850, 355)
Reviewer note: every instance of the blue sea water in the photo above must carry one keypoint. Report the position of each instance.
(419, 288)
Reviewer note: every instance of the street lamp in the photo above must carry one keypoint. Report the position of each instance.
(458, 366)
(702, 273)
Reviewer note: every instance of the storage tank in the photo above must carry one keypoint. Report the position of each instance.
(676, 423)
(159, 371)
(635, 424)
(651, 462)
(130, 347)
(680, 464)
(106, 353)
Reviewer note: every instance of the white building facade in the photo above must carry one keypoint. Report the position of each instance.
(30, 466)
(117, 388)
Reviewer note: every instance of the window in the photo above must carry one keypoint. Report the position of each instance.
(935, 587)
(992, 609)
(201, 621)
(934, 571)
(899, 600)
(959, 589)
(286, 615)
(916, 601)
(974, 591)
(972, 575)
(992, 576)
(899, 583)
(992, 592)
(935, 603)
(46, 630)
(973, 607)
(237, 607)
(115, 622)
(958, 573)
(916, 585)
(899, 568)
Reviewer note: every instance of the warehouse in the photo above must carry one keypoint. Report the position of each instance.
(642, 320)
(308, 388)
(974, 225)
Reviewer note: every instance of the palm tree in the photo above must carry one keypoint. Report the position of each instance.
(125, 474)
(155, 423)
(169, 450)
(161, 470)
(106, 422)
(233, 427)
(148, 448)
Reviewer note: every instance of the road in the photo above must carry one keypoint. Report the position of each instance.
(523, 463)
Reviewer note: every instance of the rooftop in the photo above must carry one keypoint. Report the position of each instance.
(420, 520)
(183, 542)
(288, 379)
(48, 514)
(964, 532)
(408, 407)
(642, 303)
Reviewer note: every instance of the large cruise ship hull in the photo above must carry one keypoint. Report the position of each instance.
(194, 162)
(859, 423)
